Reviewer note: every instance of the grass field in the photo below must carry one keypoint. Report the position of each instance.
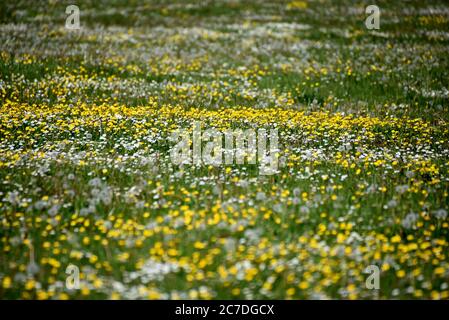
(86, 178)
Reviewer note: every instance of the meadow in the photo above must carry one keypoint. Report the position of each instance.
(87, 182)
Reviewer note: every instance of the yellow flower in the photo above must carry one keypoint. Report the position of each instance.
(115, 296)
(439, 271)
(6, 283)
(297, 5)
(250, 274)
(235, 291)
(63, 296)
(400, 273)
(303, 285)
(42, 295)
(85, 291)
(199, 245)
(153, 295)
(396, 239)
(86, 240)
(30, 284)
